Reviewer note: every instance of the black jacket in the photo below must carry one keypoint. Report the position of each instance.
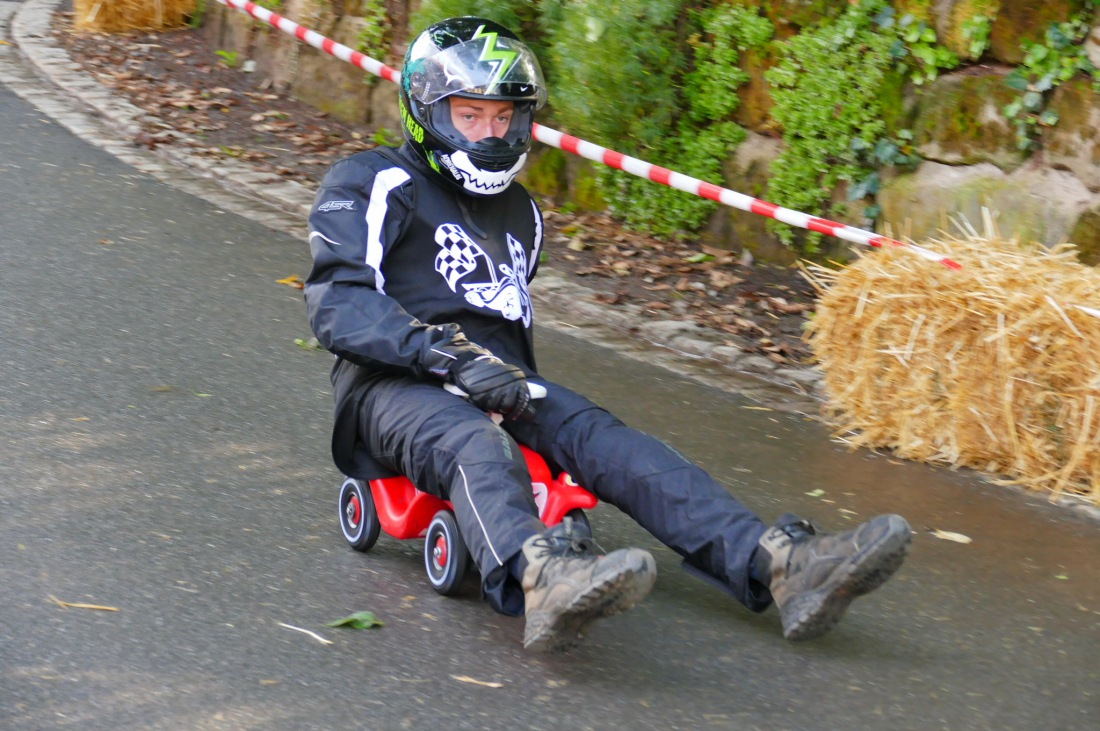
(397, 251)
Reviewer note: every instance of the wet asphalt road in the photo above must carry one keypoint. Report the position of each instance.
(163, 450)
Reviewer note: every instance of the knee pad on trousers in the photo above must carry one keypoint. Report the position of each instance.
(475, 443)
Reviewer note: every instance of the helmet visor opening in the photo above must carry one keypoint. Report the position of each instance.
(487, 65)
(515, 141)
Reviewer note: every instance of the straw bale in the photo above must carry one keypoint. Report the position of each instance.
(995, 366)
(119, 16)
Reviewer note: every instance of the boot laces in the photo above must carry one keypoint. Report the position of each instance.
(796, 531)
(566, 543)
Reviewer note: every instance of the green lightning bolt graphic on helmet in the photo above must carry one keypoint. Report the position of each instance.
(490, 53)
(470, 58)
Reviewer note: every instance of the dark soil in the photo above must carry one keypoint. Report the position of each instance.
(203, 100)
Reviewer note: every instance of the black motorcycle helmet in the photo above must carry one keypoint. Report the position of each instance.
(474, 58)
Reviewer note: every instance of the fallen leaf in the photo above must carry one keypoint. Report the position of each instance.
(467, 679)
(786, 307)
(949, 536)
(311, 344)
(1063, 577)
(292, 281)
(719, 254)
(358, 620)
(816, 493)
(721, 279)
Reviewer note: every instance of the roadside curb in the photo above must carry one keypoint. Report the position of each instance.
(571, 304)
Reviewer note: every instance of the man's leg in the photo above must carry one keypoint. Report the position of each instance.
(675, 500)
(812, 578)
(450, 448)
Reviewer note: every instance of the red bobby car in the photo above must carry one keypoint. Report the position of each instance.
(395, 505)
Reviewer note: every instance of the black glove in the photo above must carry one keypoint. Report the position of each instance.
(444, 348)
(495, 386)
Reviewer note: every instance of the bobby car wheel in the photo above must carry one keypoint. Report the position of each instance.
(358, 516)
(445, 554)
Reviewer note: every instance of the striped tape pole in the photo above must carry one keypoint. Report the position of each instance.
(613, 159)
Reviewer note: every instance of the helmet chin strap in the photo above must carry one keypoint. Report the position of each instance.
(484, 182)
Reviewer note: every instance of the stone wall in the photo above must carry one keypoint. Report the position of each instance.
(333, 86)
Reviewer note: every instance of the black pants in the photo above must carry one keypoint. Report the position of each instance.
(450, 448)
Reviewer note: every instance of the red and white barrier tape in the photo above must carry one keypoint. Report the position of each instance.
(613, 159)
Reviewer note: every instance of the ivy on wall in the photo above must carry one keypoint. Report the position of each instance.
(1046, 65)
(831, 89)
(827, 89)
(705, 137)
(373, 37)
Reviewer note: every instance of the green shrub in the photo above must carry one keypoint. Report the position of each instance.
(545, 173)
(1047, 65)
(615, 64)
(667, 102)
(826, 91)
(829, 88)
(372, 39)
(659, 80)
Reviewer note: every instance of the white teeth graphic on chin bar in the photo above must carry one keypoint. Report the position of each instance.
(477, 180)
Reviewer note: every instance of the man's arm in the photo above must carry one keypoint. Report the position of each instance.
(536, 245)
(359, 212)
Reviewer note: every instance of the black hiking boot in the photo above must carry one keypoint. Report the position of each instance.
(567, 585)
(815, 577)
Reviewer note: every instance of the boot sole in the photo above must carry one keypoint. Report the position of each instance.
(813, 614)
(614, 595)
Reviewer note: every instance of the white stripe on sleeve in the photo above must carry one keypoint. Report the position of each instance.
(379, 205)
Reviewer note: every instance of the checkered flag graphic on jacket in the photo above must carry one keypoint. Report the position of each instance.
(519, 259)
(457, 255)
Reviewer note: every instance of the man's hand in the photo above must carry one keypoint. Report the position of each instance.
(495, 386)
(445, 349)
